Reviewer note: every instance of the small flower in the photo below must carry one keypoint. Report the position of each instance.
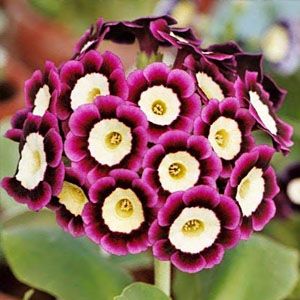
(252, 95)
(194, 228)
(40, 170)
(286, 33)
(104, 135)
(42, 90)
(178, 162)
(120, 212)
(93, 75)
(91, 38)
(69, 203)
(167, 97)
(227, 127)
(253, 186)
(212, 84)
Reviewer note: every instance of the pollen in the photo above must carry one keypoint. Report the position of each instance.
(222, 138)
(113, 139)
(159, 107)
(124, 208)
(93, 94)
(177, 170)
(193, 227)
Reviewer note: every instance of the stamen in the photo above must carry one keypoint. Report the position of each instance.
(113, 139)
(222, 137)
(193, 227)
(93, 94)
(159, 107)
(244, 188)
(37, 160)
(177, 170)
(124, 208)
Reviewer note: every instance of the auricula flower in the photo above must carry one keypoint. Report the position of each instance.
(106, 134)
(194, 228)
(227, 127)
(40, 171)
(253, 186)
(120, 212)
(178, 162)
(69, 203)
(167, 98)
(93, 75)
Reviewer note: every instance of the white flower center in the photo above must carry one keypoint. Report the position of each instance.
(32, 165)
(263, 112)
(85, 47)
(293, 190)
(179, 38)
(225, 137)
(122, 211)
(210, 88)
(73, 198)
(160, 104)
(275, 44)
(178, 171)
(250, 191)
(194, 229)
(42, 101)
(87, 88)
(110, 141)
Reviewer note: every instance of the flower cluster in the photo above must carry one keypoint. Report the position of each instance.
(164, 157)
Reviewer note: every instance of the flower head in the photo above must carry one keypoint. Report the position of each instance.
(106, 134)
(253, 186)
(69, 203)
(227, 127)
(178, 162)
(93, 75)
(40, 170)
(120, 212)
(167, 97)
(194, 228)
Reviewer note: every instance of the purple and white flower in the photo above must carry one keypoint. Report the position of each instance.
(40, 170)
(194, 228)
(120, 213)
(106, 134)
(167, 98)
(178, 162)
(253, 186)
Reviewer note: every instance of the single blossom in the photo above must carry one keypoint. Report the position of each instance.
(93, 75)
(120, 213)
(228, 128)
(167, 98)
(178, 162)
(40, 170)
(211, 83)
(194, 228)
(106, 134)
(91, 39)
(253, 186)
(252, 96)
(69, 203)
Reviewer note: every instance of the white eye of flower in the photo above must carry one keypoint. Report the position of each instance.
(160, 104)
(85, 47)
(194, 229)
(277, 35)
(293, 190)
(42, 101)
(32, 165)
(225, 137)
(178, 171)
(263, 112)
(73, 198)
(87, 88)
(122, 211)
(210, 88)
(110, 141)
(179, 38)
(250, 191)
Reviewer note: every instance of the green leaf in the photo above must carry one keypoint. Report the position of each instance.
(46, 258)
(259, 269)
(142, 291)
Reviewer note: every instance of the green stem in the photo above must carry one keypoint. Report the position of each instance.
(162, 275)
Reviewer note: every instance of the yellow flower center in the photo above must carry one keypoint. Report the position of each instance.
(159, 107)
(124, 208)
(193, 227)
(222, 137)
(113, 139)
(37, 161)
(244, 188)
(93, 94)
(177, 170)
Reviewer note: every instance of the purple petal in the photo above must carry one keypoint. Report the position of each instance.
(75, 147)
(163, 249)
(181, 82)
(53, 147)
(190, 263)
(199, 147)
(229, 238)
(153, 157)
(138, 244)
(173, 140)
(55, 177)
(213, 255)
(113, 244)
(157, 232)
(202, 196)
(92, 61)
(156, 73)
(132, 116)
(100, 188)
(71, 71)
(271, 186)
(264, 213)
(39, 197)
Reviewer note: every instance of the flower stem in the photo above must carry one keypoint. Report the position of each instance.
(162, 275)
